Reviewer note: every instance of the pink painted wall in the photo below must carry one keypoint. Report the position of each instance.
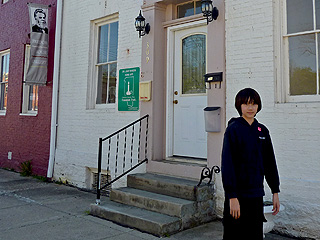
(160, 14)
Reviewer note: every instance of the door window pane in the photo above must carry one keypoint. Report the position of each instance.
(193, 64)
(302, 68)
(299, 16)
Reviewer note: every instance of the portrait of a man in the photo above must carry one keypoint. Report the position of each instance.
(40, 21)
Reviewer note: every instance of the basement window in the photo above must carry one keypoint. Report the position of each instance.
(104, 179)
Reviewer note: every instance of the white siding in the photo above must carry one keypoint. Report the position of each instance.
(294, 127)
(80, 128)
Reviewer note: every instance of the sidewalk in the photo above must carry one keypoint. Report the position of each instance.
(34, 210)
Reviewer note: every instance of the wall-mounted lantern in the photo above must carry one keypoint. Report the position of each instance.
(141, 25)
(209, 10)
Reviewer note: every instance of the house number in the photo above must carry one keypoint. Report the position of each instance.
(147, 52)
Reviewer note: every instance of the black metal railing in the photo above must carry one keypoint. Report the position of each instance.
(127, 147)
(208, 173)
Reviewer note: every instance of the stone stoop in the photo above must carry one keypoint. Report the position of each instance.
(158, 204)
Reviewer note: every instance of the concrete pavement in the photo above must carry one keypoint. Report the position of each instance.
(34, 210)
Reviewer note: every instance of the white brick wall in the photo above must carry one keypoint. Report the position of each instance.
(294, 127)
(79, 128)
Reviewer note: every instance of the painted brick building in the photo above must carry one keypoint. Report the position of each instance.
(25, 113)
(81, 120)
(252, 43)
(265, 42)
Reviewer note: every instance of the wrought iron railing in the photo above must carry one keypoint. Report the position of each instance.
(208, 173)
(127, 147)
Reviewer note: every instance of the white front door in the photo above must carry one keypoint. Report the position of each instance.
(189, 96)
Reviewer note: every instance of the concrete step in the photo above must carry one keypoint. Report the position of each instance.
(170, 186)
(154, 202)
(144, 220)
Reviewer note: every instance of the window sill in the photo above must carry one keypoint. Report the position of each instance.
(29, 114)
(110, 108)
(178, 21)
(298, 105)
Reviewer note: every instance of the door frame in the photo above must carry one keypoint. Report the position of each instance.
(170, 80)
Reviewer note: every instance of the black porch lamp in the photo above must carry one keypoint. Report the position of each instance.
(141, 25)
(209, 11)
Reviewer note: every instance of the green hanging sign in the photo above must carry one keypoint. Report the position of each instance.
(128, 95)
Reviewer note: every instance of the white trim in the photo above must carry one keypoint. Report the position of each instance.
(170, 73)
(169, 108)
(55, 89)
(26, 88)
(301, 33)
(4, 53)
(29, 114)
(282, 57)
(93, 65)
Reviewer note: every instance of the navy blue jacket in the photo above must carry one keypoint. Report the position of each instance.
(248, 157)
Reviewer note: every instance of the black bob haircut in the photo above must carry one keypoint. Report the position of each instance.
(247, 95)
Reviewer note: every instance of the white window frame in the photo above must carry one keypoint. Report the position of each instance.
(3, 53)
(281, 41)
(26, 88)
(93, 65)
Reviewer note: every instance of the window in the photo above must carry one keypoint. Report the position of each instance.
(4, 1)
(189, 9)
(30, 92)
(106, 63)
(193, 64)
(4, 79)
(302, 47)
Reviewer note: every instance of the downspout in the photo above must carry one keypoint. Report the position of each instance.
(55, 90)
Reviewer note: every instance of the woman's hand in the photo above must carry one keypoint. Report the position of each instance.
(234, 208)
(276, 204)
